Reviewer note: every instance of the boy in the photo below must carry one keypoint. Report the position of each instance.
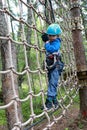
(54, 65)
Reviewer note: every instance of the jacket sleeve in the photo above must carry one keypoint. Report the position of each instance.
(51, 48)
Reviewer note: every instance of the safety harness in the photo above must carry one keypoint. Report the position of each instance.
(54, 61)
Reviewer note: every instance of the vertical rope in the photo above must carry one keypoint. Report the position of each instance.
(26, 62)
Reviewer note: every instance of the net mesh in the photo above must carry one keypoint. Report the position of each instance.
(26, 20)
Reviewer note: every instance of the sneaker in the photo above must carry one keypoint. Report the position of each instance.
(48, 104)
(56, 103)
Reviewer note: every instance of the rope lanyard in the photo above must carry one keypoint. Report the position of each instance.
(52, 13)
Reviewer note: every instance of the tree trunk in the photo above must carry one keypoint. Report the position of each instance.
(79, 56)
(13, 112)
(83, 102)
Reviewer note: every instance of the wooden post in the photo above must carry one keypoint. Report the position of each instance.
(79, 55)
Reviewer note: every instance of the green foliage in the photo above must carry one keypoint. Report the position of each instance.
(85, 46)
(80, 125)
(26, 107)
(2, 117)
(66, 129)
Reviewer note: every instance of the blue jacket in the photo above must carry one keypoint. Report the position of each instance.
(53, 46)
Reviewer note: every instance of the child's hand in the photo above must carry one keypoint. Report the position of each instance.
(45, 37)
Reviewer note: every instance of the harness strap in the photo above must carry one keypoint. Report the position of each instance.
(53, 58)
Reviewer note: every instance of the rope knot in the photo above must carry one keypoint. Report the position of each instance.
(15, 98)
(18, 124)
(32, 116)
(31, 93)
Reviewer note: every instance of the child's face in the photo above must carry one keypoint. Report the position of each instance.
(52, 37)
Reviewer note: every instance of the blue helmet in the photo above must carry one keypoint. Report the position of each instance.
(54, 29)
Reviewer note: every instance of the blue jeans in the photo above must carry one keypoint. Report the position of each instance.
(53, 77)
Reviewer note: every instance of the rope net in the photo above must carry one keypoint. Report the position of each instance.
(26, 20)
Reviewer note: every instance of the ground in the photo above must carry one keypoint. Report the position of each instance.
(71, 122)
